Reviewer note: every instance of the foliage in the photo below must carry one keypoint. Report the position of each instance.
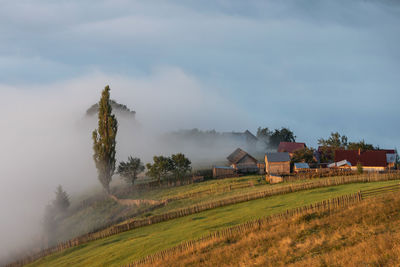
(52, 214)
(360, 145)
(329, 145)
(94, 109)
(335, 141)
(130, 169)
(61, 202)
(360, 169)
(303, 155)
(160, 169)
(273, 138)
(181, 166)
(104, 141)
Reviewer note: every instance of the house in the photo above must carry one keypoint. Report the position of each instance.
(223, 172)
(343, 164)
(243, 139)
(243, 162)
(301, 167)
(290, 147)
(371, 160)
(277, 163)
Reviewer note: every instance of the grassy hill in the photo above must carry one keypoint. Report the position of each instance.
(132, 245)
(367, 234)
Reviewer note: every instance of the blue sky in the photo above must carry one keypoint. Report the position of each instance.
(314, 66)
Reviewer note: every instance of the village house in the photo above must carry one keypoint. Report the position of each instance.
(301, 167)
(277, 163)
(371, 160)
(343, 164)
(290, 147)
(223, 172)
(243, 139)
(243, 162)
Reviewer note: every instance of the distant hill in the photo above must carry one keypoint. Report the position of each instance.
(117, 108)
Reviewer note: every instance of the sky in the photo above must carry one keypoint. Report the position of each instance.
(313, 66)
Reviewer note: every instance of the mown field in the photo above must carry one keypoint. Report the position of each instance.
(129, 246)
(365, 234)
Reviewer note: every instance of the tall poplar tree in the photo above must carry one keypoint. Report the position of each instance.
(104, 141)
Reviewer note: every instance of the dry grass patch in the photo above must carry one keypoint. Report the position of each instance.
(367, 234)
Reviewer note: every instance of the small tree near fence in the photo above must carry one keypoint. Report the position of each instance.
(360, 169)
(181, 166)
(160, 169)
(129, 170)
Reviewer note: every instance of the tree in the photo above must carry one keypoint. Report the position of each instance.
(335, 141)
(104, 141)
(181, 166)
(61, 202)
(359, 168)
(303, 155)
(360, 145)
(330, 145)
(264, 134)
(53, 212)
(160, 169)
(273, 138)
(282, 135)
(130, 169)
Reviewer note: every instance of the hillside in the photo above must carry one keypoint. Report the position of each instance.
(132, 245)
(367, 234)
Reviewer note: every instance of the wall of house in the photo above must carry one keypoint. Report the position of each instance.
(369, 169)
(278, 167)
(247, 164)
(219, 172)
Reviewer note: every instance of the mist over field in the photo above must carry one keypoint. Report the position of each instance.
(312, 66)
(47, 139)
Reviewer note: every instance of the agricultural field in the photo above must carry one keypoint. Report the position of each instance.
(132, 245)
(365, 234)
(100, 211)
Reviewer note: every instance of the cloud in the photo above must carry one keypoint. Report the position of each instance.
(47, 141)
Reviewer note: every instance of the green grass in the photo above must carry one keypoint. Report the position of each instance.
(135, 244)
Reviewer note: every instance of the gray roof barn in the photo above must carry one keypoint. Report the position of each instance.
(237, 155)
(278, 156)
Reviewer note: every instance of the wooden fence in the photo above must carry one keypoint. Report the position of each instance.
(136, 223)
(379, 191)
(327, 205)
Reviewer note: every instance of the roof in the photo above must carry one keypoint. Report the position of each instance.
(237, 155)
(277, 157)
(247, 135)
(368, 158)
(290, 146)
(339, 164)
(301, 165)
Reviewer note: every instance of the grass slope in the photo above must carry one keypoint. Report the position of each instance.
(137, 243)
(367, 234)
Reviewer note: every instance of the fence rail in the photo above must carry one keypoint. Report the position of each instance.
(380, 191)
(326, 205)
(136, 223)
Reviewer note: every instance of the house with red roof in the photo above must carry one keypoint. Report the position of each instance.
(290, 147)
(371, 160)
